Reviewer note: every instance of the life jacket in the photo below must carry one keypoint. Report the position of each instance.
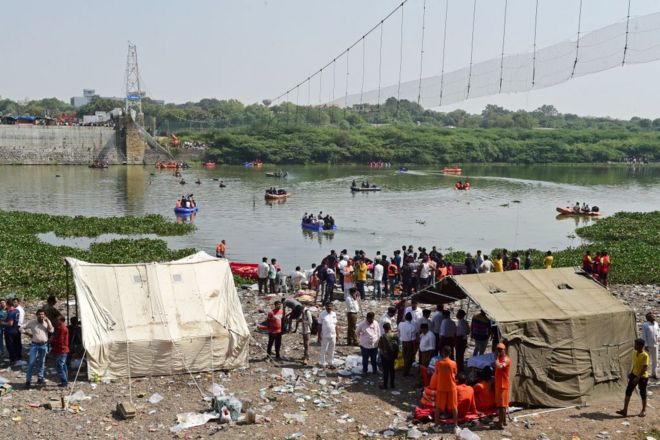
(605, 264)
(442, 272)
(392, 270)
(428, 398)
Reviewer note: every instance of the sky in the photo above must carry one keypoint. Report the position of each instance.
(252, 50)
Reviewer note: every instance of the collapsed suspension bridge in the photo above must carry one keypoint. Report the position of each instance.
(341, 81)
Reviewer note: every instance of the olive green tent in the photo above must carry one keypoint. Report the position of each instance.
(570, 340)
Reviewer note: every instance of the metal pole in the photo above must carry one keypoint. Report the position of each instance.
(66, 274)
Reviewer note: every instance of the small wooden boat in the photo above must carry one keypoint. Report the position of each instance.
(317, 228)
(360, 189)
(403, 170)
(209, 164)
(170, 164)
(268, 196)
(569, 211)
(277, 174)
(451, 170)
(100, 164)
(244, 270)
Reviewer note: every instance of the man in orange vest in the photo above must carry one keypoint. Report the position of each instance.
(446, 399)
(220, 249)
(502, 366)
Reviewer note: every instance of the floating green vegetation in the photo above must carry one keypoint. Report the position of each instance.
(33, 268)
(632, 239)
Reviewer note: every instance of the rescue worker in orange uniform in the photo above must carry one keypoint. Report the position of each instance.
(446, 400)
(502, 366)
(465, 404)
(484, 393)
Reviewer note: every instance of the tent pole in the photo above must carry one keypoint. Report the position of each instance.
(66, 274)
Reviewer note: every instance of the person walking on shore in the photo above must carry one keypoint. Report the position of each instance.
(352, 310)
(368, 333)
(274, 319)
(38, 330)
(329, 334)
(388, 346)
(60, 349)
(651, 337)
(307, 321)
(262, 275)
(12, 334)
(639, 376)
(361, 272)
(408, 335)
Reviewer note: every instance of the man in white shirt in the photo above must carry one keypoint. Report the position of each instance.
(415, 311)
(368, 333)
(297, 278)
(306, 332)
(408, 337)
(651, 337)
(390, 318)
(262, 274)
(329, 334)
(426, 344)
(378, 280)
(447, 332)
(21, 312)
(486, 266)
(352, 310)
(424, 273)
(308, 274)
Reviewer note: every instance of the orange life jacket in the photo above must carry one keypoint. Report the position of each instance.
(392, 270)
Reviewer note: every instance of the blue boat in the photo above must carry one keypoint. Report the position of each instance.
(186, 210)
(317, 228)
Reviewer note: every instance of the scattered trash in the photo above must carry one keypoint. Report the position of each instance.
(414, 433)
(3, 380)
(295, 435)
(225, 417)
(79, 396)
(155, 398)
(297, 418)
(625, 423)
(466, 434)
(16, 419)
(216, 390)
(6, 412)
(125, 410)
(288, 374)
(192, 419)
(232, 404)
(388, 433)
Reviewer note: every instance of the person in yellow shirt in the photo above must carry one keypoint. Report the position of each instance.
(498, 264)
(361, 277)
(547, 261)
(638, 377)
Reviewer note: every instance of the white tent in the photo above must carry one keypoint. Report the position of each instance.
(160, 318)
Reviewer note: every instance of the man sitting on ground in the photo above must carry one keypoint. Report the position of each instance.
(484, 392)
(465, 398)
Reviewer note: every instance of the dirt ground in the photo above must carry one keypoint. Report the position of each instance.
(318, 405)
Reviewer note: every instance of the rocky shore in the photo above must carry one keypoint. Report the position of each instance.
(295, 401)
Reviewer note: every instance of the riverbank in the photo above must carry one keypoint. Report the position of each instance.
(33, 268)
(324, 405)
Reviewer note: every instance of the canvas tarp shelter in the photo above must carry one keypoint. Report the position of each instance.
(570, 340)
(160, 318)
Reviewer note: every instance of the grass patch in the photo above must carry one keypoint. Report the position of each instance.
(632, 240)
(35, 269)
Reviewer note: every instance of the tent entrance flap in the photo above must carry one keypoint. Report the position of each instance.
(175, 317)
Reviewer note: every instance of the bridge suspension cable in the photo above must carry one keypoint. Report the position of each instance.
(344, 52)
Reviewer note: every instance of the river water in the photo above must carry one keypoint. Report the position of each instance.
(508, 206)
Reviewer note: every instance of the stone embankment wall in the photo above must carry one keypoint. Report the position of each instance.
(32, 144)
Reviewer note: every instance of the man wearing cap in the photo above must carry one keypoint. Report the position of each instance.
(502, 365)
(638, 376)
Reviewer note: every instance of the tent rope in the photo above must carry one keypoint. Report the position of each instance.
(75, 379)
(128, 344)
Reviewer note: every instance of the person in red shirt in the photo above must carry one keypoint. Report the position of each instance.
(445, 391)
(465, 404)
(604, 267)
(275, 329)
(502, 366)
(60, 349)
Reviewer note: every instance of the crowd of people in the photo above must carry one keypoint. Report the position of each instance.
(186, 201)
(326, 221)
(49, 335)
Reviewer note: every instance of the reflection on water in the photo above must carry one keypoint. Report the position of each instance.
(419, 207)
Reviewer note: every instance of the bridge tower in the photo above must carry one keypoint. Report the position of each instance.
(133, 117)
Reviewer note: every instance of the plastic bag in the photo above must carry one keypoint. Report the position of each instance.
(398, 362)
(232, 404)
(155, 398)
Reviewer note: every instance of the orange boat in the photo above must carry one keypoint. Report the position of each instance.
(277, 196)
(452, 170)
(208, 164)
(569, 211)
(170, 164)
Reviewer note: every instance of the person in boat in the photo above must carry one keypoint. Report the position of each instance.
(585, 208)
(576, 208)
(193, 203)
(222, 184)
(466, 185)
(458, 185)
(354, 184)
(182, 203)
